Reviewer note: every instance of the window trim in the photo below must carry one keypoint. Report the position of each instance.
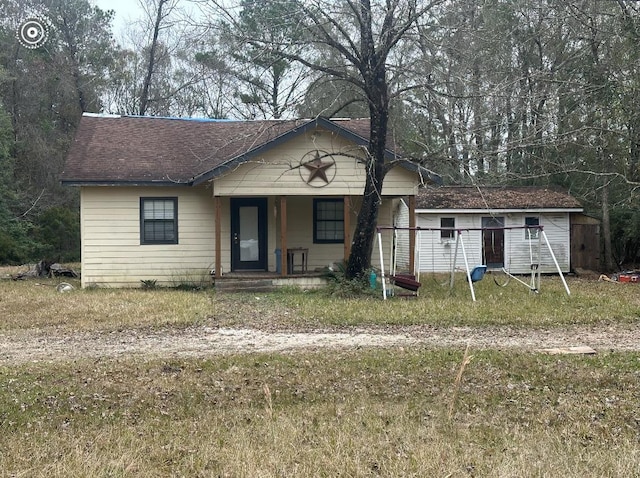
(446, 234)
(531, 234)
(143, 240)
(316, 202)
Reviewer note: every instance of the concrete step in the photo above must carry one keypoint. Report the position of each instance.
(245, 285)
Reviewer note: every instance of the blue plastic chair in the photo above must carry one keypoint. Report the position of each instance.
(477, 273)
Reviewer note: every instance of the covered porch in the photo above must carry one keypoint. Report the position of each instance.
(273, 238)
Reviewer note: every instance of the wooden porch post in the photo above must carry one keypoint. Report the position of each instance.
(218, 235)
(347, 228)
(412, 233)
(283, 235)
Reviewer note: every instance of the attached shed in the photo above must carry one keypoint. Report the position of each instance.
(480, 213)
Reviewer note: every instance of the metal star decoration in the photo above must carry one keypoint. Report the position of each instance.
(317, 169)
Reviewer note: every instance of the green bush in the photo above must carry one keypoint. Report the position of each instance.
(338, 285)
(625, 234)
(16, 240)
(57, 232)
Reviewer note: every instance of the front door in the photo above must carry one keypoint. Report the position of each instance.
(249, 234)
(493, 242)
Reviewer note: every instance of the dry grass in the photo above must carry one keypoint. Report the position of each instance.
(364, 413)
(591, 302)
(37, 304)
(343, 413)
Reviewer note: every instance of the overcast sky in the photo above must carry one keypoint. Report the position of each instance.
(126, 11)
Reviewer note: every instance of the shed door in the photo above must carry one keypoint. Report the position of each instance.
(249, 234)
(585, 246)
(493, 242)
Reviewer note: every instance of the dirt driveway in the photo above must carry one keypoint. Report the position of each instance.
(39, 345)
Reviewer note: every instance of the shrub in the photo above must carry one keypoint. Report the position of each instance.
(57, 230)
(339, 285)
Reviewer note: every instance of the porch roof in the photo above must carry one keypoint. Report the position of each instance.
(135, 150)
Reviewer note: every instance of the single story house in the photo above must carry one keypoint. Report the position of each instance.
(442, 211)
(167, 199)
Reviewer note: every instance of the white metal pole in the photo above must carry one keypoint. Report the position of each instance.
(394, 248)
(555, 261)
(534, 285)
(384, 285)
(417, 256)
(466, 265)
(539, 260)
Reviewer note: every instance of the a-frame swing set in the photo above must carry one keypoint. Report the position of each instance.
(474, 273)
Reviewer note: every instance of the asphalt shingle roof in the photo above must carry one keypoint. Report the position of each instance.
(147, 150)
(490, 197)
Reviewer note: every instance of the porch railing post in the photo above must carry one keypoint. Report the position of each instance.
(218, 235)
(283, 236)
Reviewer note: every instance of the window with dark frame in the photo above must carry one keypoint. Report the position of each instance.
(447, 227)
(158, 220)
(328, 221)
(531, 232)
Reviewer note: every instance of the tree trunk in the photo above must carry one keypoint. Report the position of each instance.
(376, 89)
(606, 228)
(144, 95)
(363, 238)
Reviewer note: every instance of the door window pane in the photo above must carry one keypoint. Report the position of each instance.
(249, 234)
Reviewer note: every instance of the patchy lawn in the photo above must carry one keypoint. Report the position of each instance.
(177, 383)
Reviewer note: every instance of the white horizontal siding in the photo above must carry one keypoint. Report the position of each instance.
(385, 218)
(402, 237)
(437, 255)
(522, 252)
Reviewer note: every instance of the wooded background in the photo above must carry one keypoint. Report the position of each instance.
(492, 92)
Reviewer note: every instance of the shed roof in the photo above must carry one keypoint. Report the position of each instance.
(495, 197)
(110, 149)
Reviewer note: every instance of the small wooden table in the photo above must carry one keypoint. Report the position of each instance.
(291, 253)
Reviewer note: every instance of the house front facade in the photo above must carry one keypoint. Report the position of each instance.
(493, 224)
(176, 200)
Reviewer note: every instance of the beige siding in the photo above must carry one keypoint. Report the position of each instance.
(385, 218)
(111, 251)
(300, 233)
(113, 256)
(400, 182)
(278, 172)
(110, 217)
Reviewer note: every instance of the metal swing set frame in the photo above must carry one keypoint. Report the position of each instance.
(473, 274)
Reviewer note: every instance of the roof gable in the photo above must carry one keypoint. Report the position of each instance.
(354, 130)
(492, 197)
